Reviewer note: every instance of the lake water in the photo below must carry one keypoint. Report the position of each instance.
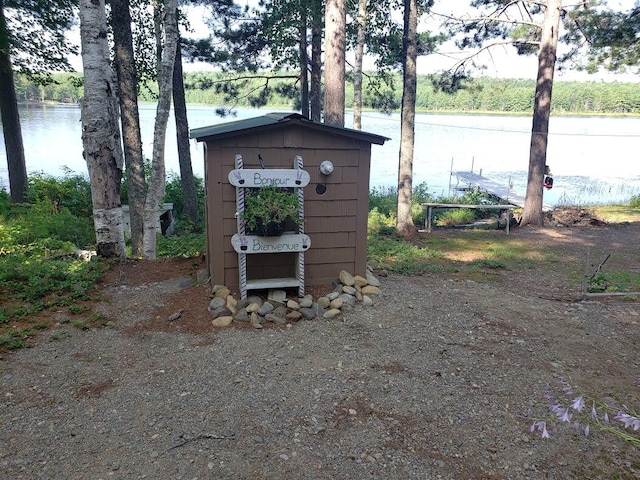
(593, 159)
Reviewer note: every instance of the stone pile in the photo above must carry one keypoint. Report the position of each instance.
(226, 309)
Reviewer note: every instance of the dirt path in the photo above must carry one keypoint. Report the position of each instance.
(431, 382)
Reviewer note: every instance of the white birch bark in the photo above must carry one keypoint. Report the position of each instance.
(165, 86)
(100, 132)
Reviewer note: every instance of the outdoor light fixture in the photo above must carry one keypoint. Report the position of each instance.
(326, 167)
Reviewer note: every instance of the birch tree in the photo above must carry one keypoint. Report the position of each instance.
(165, 87)
(100, 133)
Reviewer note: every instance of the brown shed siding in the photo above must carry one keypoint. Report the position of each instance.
(336, 222)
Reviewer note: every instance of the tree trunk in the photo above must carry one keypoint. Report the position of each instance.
(316, 62)
(16, 164)
(335, 24)
(532, 212)
(304, 67)
(357, 69)
(187, 182)
(130, 118)
(165, 87)
(100, 135)
(405, 225)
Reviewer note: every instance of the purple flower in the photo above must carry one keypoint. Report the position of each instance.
(542, 427)
(627, 420)
(578, 404)
(545, 433)
(594, 412)
(586, 430)
(606, 418)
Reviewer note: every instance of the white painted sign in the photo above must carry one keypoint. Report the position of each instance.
(297, 242)
(269, 177)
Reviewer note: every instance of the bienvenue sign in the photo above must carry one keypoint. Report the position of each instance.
(295, 242)
(271, 177)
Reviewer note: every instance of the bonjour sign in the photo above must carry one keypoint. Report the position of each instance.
(295, 242)
(271, 177)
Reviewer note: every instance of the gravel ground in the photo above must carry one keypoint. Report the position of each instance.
(431, 383)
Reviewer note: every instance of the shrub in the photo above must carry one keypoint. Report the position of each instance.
(634, 201)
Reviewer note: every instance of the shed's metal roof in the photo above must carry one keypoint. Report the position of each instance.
(278, 120)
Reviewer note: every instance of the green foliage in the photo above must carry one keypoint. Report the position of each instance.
(451, 217)
(634, 201)
(614, 281)
(381, 93)
(394, 254)
(270, 204)
(186, 245)
(173, 194)
(384, 200)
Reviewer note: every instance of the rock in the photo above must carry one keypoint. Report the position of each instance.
(277, 297)
(265, 308)
(371, 290)
(371, 280)
(349, 290)
(324, 302)
(336, 304)
(223, 293)
(175, 315)
(253, 307)
(348, 300)
(216, 303)
(293, 305)
(308, 313)
(383, 273)
(335, 294)
(216, 288)
(231, 304)
(222, 321)
(231, 301)
(306, 302)
(242, 315)
(275, 318)
(280, 311)
(334, 312)
(360, 281)
(346, 278)
(255, 321)
(359, 296)
(202, 276)
(366, 301)
(221, 312)
(248, 301)
(293, 316)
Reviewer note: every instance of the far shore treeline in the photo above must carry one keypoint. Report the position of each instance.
(483, 94)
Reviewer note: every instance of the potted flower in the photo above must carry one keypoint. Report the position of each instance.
(266, 209)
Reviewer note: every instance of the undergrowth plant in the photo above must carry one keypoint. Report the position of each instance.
(567, 407)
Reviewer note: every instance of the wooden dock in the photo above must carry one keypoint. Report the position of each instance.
(494, 188)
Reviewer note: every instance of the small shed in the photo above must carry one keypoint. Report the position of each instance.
(336, 200)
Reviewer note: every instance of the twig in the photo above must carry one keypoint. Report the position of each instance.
(207, 436)
(600, 266)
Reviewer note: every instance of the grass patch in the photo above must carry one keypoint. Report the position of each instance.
(617, 213)
(396, 255)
